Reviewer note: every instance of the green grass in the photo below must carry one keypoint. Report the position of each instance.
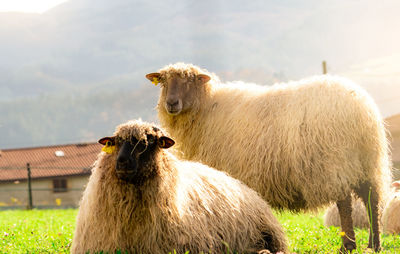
(36, 231)
(307, 234)
(50, 231)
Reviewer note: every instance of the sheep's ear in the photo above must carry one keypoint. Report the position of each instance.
(203, 78)
(165, 142)
(104, 141)
(152, 76)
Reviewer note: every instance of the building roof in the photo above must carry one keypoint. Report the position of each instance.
(77, 159)
(48, 161)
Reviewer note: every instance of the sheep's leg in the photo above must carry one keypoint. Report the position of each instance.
(369, 195)
(348, 238)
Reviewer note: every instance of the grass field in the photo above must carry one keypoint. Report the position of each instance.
(50, 231)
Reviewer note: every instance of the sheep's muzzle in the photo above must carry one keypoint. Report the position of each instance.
(127, 166)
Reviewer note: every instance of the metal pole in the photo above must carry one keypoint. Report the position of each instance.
(30, 205)
(324, 67)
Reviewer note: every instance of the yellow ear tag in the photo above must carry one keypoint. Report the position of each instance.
(155, 81)
(108, 148)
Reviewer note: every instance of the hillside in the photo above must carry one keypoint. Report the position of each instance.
(63, 70)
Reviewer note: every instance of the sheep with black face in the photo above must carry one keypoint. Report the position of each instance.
(141, 199)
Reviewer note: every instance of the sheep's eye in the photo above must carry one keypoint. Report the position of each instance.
(150, 139)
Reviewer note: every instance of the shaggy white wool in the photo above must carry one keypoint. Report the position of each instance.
(186, 207)
(301, 145)
(391, 213)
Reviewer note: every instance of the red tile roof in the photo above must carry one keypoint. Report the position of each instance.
(76, 159)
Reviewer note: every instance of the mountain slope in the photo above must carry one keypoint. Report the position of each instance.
(82, 51)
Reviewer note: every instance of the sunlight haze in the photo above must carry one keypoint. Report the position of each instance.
(71, 70)
(37, 6)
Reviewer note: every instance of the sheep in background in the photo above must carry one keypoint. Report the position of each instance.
(141, 199)
(358, 214)
(391, 213)
(301, 145)
(390, 218)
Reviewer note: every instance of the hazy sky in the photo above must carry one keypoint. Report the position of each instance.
(37, 6)
(60, 70)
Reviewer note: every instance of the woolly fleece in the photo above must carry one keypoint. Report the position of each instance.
(301, 144)
(391, 213)
(187, 206)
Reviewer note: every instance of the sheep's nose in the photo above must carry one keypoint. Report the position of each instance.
(123, 156)
(122, 159)
(173, 103)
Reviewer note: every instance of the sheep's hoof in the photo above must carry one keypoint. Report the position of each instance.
(377, 247)
(348, 247)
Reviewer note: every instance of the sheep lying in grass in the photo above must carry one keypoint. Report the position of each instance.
(358, 214)
(141, 199)
(391, 213)
(301, 145)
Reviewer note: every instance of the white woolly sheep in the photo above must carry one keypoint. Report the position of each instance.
(390, 218)
(141, 199)
(301, 145)
(358, 214)
(391, 213)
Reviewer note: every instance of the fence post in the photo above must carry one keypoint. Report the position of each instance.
(324, 71)
(30, 205)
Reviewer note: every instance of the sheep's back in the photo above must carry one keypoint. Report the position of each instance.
(201, 208)
(294, 142)
(224, 208)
